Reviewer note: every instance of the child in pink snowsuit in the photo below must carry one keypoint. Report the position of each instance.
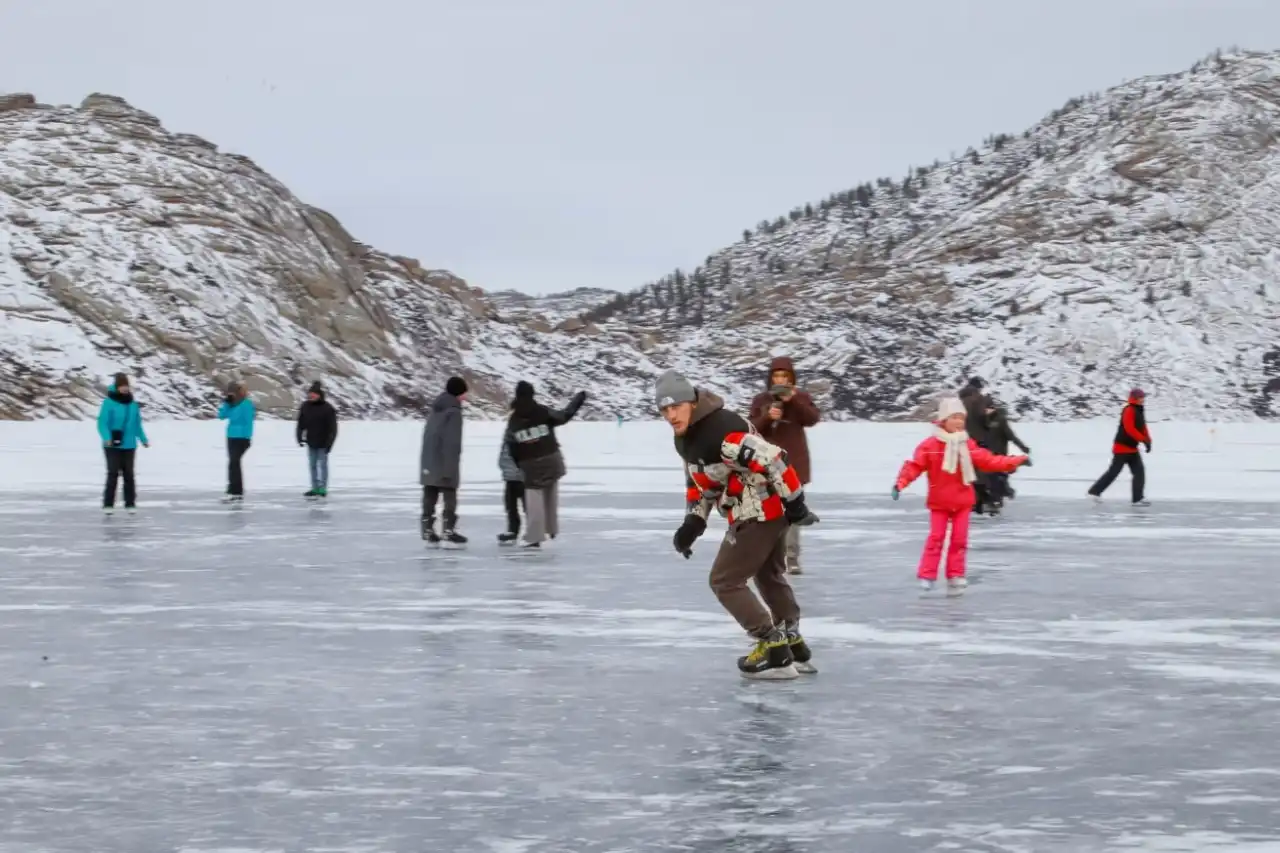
(952, 460)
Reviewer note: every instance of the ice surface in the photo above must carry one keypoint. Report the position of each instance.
(283, 677)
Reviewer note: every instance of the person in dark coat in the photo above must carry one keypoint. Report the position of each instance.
(1132, 432)
(441, 463)
(531, 436)
(999, 435)
(317, 431)
(781, 414)
(976, 402)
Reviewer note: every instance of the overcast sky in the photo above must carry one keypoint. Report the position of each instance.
(548, 144)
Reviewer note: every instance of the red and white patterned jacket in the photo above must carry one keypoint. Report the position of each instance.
(730, 467)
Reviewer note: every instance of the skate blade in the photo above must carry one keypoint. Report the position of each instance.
(806, 668)
(452, 546)
(786, 673)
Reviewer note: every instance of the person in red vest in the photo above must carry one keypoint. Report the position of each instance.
(1132, 433)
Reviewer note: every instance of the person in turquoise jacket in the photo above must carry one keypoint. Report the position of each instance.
(120, 428)
(239, 413)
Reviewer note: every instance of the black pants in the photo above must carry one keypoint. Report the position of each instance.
(119, 462)
(431, 494)
(997, 488)
(236, 449)
(1118, 461)
(513, 500)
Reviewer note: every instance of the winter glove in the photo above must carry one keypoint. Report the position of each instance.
(1148, 447)
(798, 513)
(693, 527)
(1027, 462)
(896, 493)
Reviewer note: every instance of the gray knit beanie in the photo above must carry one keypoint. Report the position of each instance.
(673, 388)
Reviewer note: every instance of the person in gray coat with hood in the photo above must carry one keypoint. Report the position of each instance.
(442, 462)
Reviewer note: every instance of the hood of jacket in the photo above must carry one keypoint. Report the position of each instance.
(125, 398)
(320, 398)
(446, 401)
(525, 406)
(781, 362)
(706, 403)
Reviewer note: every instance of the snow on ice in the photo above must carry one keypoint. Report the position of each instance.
(288, 677)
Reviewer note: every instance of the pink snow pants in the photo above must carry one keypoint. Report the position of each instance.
(938, 521)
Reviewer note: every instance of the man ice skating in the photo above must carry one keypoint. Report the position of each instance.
(239, 413)
(317, 431)
(120, 428)
(760, 495)
(781, 414)
(512, 493)
(531, 437)
(1124, 450)
(441, 462)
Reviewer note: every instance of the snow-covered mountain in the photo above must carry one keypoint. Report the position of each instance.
(1130, 238)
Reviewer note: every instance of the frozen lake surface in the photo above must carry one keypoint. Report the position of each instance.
(286, 678)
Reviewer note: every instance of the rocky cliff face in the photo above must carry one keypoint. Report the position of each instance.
(1129, 238)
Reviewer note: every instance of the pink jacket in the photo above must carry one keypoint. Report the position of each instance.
(947, 491)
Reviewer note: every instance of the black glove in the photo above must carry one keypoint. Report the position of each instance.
(1148, 447)
(693, 527)
(798, 513)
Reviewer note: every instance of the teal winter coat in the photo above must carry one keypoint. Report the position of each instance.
(239, 417)
(121, 418)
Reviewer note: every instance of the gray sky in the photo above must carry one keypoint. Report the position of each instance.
(547, 144)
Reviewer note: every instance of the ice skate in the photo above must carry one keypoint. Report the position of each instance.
(1143, 502)
(926, 585)
(794, 567)
(311, 493)
(770, 660)
(508, 539)
(108, 510)
(452, 539)
(131, 510)
(530, 546)
(956, 586)
(801, 656)
(233, 499)
(1097, 499)
(428, 530)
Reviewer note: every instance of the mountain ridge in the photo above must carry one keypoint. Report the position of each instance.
(1125, 239)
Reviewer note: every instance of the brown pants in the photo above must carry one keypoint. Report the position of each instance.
(758, 549)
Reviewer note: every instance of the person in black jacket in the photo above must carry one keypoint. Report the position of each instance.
(999, 435)
(317, 431)
(531, 435)
(976, 402)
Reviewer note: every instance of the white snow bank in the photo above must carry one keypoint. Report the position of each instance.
(1190, 460)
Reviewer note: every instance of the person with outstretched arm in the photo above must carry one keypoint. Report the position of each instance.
(531, 441)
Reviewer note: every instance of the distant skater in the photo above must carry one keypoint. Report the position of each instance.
(1132, 432)
(317, 431)
(952, 460)
(513, 499)
(1000, 435)
(120, 428)
(239, 413)
(441, 464)
(531, 436)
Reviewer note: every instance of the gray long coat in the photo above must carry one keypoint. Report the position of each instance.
(442, 444)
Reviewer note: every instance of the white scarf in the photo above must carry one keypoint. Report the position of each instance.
(957, 444)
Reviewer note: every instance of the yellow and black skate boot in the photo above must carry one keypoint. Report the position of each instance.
(801, 656)
(770, 660)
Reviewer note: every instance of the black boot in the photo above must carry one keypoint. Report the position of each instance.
(429, 531)
(771, 659)
(453, 537)
(800, 653)
(508, 538)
